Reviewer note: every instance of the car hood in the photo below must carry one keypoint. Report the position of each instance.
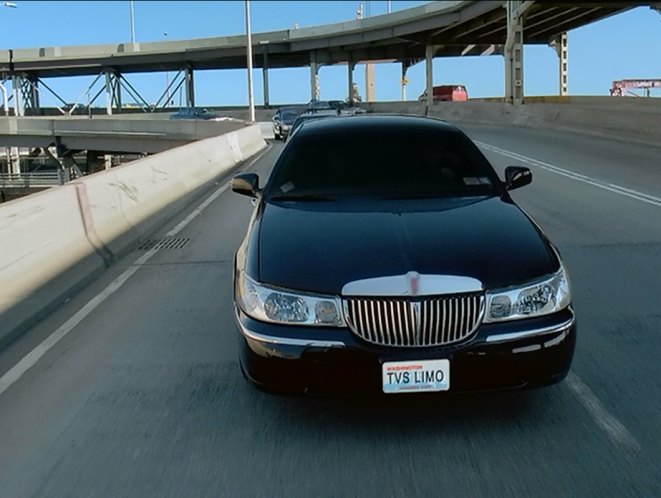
(321, 246)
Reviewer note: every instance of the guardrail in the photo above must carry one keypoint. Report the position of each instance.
(33, 179)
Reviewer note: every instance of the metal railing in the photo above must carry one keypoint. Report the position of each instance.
(33, 179)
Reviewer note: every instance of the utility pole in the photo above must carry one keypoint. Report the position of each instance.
(132, 18)
(167, 81)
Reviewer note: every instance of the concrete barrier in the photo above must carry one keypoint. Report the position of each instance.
(626, 119)
(56, 241)
(43, 242)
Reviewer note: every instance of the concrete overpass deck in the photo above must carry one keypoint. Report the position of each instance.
(454, 28)
(110, 135)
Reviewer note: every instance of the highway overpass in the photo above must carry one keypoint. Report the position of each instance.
(437, 29)
(126, 135)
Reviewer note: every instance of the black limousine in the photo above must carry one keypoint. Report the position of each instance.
(385, 255)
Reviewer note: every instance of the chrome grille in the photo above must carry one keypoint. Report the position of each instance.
(434, 321)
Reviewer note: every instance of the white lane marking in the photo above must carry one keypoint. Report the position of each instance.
(196, 212)
(29, 360)
(611, 187)
(613, 428)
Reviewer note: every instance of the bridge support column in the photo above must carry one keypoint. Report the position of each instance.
(16, 89)
(514, 51)
(108, 93)
(429, 76)
(265, 76)
(113, 91)
(559, 43)
(14, 158)
(369, 83)
(31, 90)
(350, 67)
(190, 87)
(118, 91)
(314, 77)
(404, 82)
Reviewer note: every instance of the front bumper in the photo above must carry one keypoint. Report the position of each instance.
(518, 354)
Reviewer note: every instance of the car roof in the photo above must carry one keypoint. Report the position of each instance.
(396, 122)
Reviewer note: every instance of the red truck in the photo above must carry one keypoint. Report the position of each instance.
(447, 93)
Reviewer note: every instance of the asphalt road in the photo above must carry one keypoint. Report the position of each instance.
(144, 396)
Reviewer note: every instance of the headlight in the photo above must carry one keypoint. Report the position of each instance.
(270, 304)
(540, 298)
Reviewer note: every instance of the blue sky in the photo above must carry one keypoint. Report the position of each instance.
(624, 46)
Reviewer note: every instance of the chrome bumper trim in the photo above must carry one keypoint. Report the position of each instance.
(287, 341)
(531, 333)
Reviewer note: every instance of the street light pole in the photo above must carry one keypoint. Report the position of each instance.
(251, 103)
(132, 16)
(167, 80)
(12, 154)
(388, 7)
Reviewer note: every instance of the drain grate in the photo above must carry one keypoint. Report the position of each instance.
(164, 243)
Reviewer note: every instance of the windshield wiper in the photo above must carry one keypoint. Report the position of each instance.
(301, 197)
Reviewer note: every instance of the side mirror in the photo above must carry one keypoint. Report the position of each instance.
(517, 176)
(246, 184)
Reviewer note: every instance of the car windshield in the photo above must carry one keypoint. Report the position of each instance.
(336, 104)
(288, 116)
(372, 163)
(321, 105)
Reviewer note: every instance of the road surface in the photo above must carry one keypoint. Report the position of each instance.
(143, 396)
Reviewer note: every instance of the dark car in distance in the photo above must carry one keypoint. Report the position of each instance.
(385, 255)
(195, 113)
(324, 106)
(283, 119)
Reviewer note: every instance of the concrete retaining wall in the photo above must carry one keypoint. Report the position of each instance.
(636, 120)
(56, 241)
(630, 120)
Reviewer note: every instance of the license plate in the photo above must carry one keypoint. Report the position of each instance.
(416, 376)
